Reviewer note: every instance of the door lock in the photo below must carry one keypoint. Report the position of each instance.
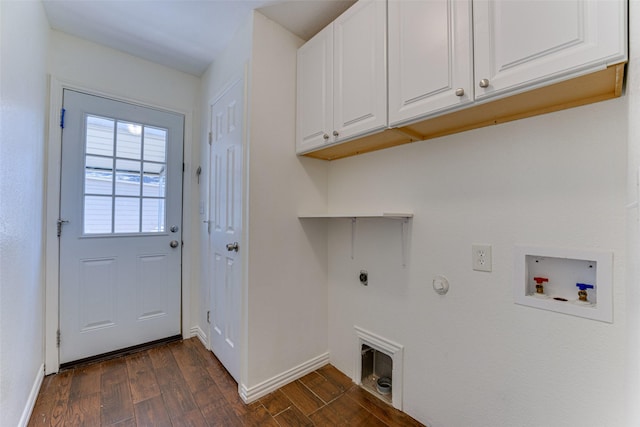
(233, 247)
(174, 229)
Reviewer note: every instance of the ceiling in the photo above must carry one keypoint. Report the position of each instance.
(186, 35)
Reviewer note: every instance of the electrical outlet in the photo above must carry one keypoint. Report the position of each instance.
(481, 257)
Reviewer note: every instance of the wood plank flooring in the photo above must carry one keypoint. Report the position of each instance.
(183, 384)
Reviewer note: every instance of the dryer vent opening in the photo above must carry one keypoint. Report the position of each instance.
(378, 366)
(377, 373)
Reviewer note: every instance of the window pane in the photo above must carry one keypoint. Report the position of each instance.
(152, 215)
(127, 178)
(154, 180)
(129, 140)
(127, 218)
(99, 136)
(98, 175)
(97, 214)
(155, 144)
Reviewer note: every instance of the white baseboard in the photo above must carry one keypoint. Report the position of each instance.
(196, 331)
(33, 396)
(252, 394)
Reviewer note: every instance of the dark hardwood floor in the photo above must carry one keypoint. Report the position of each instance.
(183, 384)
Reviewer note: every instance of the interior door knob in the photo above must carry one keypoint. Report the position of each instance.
(174, 244)
(233, 247)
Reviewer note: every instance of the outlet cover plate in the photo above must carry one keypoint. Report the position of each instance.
(481, 257)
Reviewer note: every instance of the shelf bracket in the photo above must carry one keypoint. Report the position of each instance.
(404, 241)
(353, 236)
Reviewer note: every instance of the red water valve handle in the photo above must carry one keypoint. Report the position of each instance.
(540, 280)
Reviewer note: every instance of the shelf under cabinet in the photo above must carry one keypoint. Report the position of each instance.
(586, 89)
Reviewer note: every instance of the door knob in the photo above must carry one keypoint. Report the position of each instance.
(484, 83)
(233, 246)
(174, 244)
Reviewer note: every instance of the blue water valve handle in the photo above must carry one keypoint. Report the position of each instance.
(584, 286)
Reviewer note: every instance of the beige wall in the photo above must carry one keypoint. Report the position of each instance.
(287, 299)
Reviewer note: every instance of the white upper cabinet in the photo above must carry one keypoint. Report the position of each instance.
(342, 79)
(314, 122)
(430, 57)
(360, 77)
(523, 43)
(453, 65)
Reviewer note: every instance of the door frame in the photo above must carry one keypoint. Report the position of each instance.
(53, 158)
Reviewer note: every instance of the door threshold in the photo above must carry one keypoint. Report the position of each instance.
(118, 353)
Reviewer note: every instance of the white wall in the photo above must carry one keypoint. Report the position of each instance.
(99, 69)
(287, 289)
(24, 35)
(285, 316)
(473, 357)
(633, 231)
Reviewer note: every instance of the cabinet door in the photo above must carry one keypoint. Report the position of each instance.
(430, 57)
(314, 121)
(360, 77)
(520, 43)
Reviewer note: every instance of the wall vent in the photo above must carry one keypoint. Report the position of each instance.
(378, 366)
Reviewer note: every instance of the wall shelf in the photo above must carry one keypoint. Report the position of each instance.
(404, 217)
(388, 215)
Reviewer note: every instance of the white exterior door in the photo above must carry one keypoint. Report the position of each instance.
(430, 57)
(120, 228)
(225, 226)
(520, 43)
(360, 69)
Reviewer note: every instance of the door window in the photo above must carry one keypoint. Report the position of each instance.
(124, 177)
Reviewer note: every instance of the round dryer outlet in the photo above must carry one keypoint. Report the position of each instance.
(364, 277)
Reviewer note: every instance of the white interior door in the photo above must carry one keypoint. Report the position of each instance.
(121, 217)
(225, 225)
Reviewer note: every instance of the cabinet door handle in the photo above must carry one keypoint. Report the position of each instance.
(325, 136)
(336, 133)
(460, 92)
(484, 83)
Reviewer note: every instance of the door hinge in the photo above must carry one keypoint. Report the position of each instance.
(210, 137)
(62, 111)
(58, 338)
(59, 224)
(208, 316)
